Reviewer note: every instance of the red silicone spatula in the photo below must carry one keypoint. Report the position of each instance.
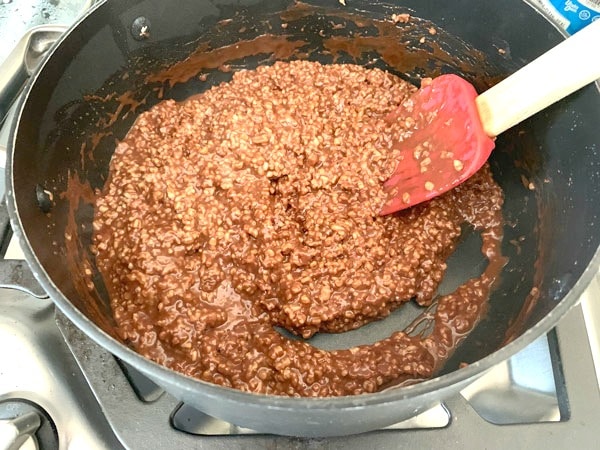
(455, 128)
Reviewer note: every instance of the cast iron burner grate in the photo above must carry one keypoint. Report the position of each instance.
(544, 397)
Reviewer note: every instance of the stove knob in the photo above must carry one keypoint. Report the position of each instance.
(19, 432)
(25, 425)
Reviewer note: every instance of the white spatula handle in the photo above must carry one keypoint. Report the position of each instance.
(562, 70)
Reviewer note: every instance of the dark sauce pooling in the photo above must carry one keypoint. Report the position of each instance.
(256, 205)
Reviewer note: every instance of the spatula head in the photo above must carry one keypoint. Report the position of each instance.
(447, 146)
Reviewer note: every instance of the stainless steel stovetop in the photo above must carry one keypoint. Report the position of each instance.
(68, 393)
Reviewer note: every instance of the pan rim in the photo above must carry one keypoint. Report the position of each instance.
(215, 392)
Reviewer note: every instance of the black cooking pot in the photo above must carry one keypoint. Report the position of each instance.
(125, 56)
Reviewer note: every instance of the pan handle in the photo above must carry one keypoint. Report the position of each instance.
(23, 60)
(15, 273)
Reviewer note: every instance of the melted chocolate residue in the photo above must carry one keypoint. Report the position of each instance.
(276, 47)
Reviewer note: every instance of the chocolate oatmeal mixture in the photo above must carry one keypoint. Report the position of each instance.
(254, 205)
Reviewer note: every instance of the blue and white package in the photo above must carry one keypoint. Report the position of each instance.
(571, 15)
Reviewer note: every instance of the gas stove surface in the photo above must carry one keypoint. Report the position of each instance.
(69, 393)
